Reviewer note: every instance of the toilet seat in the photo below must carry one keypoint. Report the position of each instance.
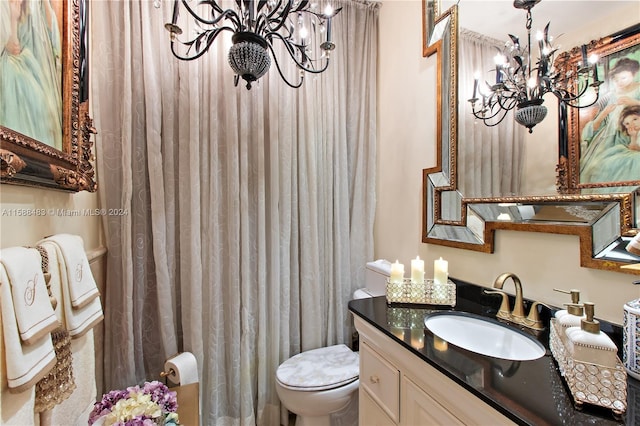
(319, 369)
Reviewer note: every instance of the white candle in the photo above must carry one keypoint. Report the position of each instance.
(417, 338)
(441, 271)
(417, 270)
(397, 272)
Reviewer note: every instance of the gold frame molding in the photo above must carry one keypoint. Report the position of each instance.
(27, 161)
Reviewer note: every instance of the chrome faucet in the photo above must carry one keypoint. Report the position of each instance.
(517, 315)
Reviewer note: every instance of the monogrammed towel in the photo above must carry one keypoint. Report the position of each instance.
(26, 363)
(82, 286)
(77, 320)
(34, 314)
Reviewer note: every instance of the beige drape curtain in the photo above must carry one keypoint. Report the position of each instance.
(249, 214)
(490, 159)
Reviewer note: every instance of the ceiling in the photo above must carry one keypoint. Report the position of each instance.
(497, 18)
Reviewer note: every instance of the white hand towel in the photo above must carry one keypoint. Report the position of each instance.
(33, 311)
(82, 287)
(77, 321)
(25, 364)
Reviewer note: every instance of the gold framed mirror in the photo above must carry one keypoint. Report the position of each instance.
(45, 126)
(456, 216)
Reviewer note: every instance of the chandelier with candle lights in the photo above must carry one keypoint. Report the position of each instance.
(521, 83)
(297, 30)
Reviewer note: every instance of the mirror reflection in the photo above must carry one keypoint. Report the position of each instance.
(502, 177)
(506, 160)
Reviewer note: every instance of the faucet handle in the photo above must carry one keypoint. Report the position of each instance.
(533, 319)
(504, 311)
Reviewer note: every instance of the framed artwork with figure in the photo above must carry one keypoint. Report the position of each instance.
(45, 127)
(600, 145)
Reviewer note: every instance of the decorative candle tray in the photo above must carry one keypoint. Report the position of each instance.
(424, 293)
(401, 317)
(590, 383)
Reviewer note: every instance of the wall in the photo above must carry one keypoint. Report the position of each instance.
(406, 146)
(60, 212)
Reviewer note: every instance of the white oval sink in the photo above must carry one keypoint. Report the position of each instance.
(484, 336)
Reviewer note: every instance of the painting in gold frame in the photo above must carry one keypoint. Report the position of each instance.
(38, 158)
(598, 155)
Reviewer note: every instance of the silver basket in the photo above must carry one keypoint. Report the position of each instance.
(422, 293)
(590, 383)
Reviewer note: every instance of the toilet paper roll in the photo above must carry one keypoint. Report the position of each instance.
(182, 369)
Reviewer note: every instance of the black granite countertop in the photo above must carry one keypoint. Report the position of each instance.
(528, 392)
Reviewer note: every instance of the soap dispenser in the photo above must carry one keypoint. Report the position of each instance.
(572, 315)
(587, 343)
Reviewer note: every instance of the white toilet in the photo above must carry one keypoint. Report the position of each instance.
(317, 383)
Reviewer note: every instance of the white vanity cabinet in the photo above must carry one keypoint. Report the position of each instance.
(399, 388)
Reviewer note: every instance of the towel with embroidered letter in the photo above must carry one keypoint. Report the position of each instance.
(27, 317)
(69, 268)
(82, 286)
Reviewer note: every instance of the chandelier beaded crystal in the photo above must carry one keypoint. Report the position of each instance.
(521, 83)
(264, 31)
(248, 57)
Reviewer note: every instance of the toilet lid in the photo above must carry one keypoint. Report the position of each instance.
(320, 369)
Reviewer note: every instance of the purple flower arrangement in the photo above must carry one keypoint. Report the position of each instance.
(150, 405)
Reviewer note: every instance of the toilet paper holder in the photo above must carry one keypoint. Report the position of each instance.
(165, 374)
(181, 369)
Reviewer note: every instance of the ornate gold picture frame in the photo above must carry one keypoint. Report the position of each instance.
(597, 154)
(63, 161)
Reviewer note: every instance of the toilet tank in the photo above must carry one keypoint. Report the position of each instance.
(376, 275)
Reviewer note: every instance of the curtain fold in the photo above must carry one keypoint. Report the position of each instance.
(250, 213)
(491, 159)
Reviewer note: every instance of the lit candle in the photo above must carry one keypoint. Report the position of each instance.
(584, 55)
(397, 272)
(304, 33)
(499, 60)
(417, 338)
(174, 19)
(593, 59)
(475, 87)
(328, 13)
(439, 344)
(398, 332)
(441, 271)
(540, 37)
(417, 270)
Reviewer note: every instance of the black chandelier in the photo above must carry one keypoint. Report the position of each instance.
(521, 84)
(299, 27)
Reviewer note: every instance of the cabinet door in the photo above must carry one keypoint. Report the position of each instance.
(418, 408)
(381, 380)
(370, 414)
